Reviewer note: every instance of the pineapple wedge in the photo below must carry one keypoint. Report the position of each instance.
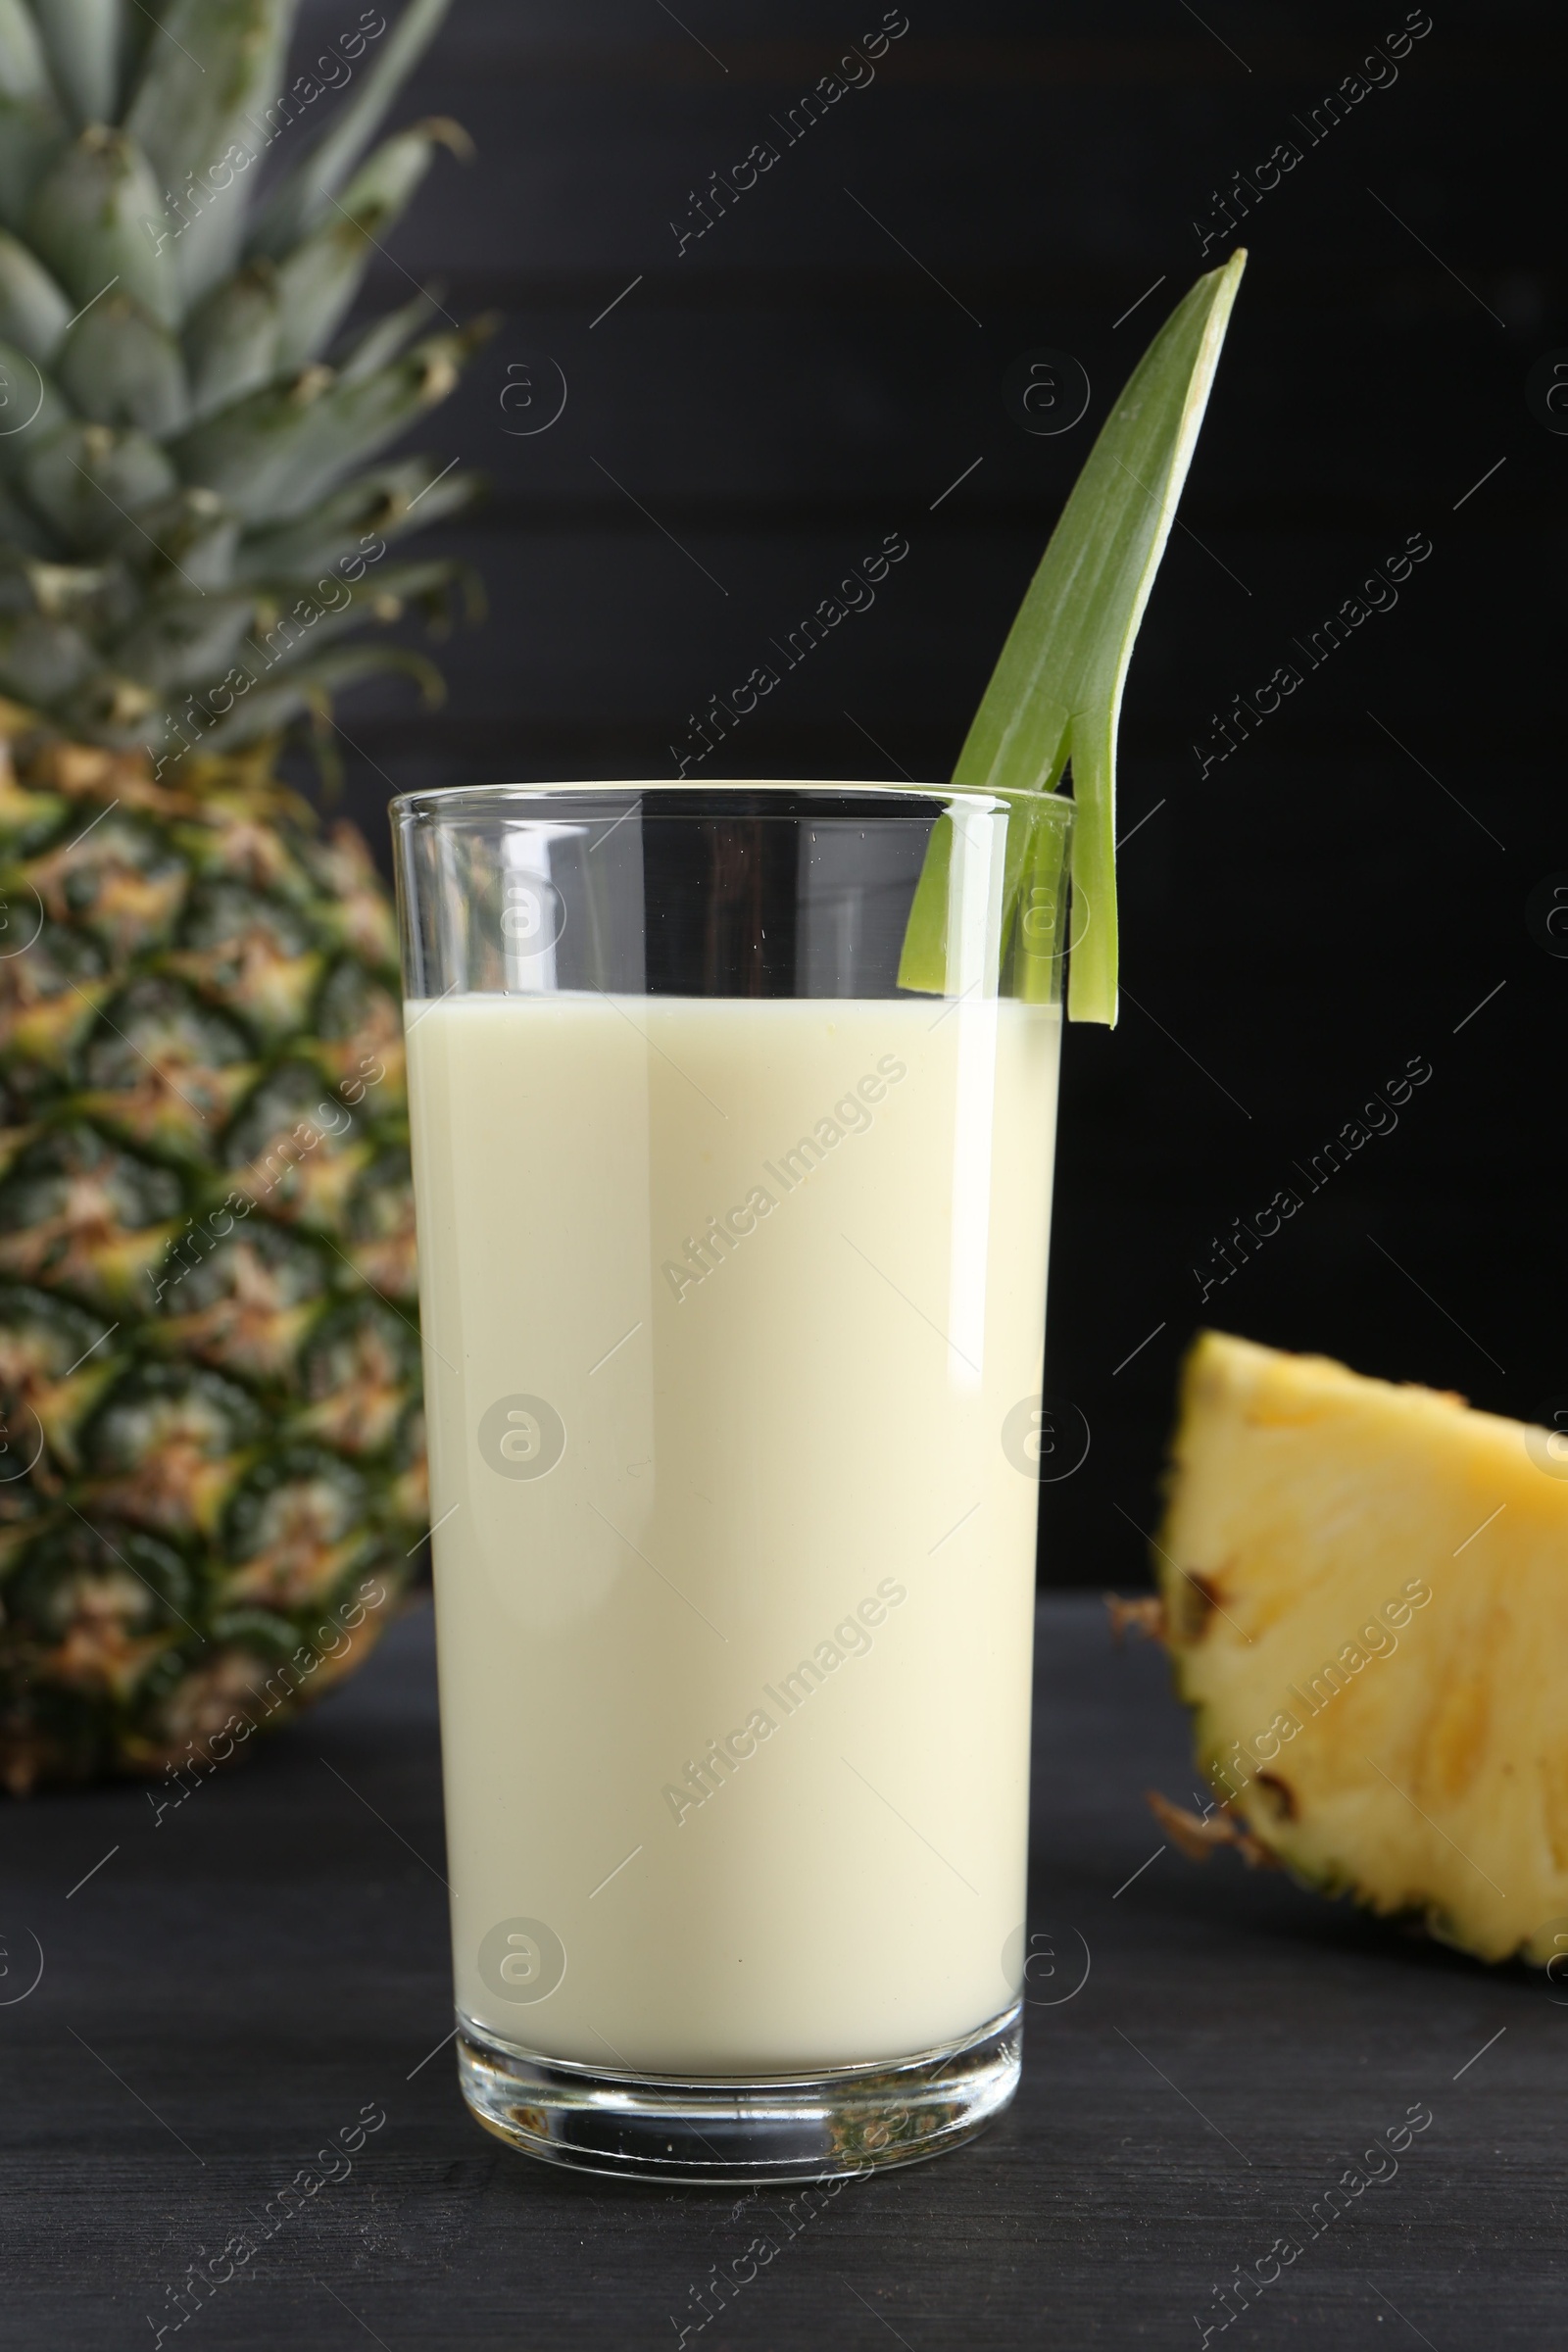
(1366, 1606)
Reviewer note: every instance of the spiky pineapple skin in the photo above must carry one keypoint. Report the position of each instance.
(214, 1470)
(1365, 1594)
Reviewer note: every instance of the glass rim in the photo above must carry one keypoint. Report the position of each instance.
(434, 801)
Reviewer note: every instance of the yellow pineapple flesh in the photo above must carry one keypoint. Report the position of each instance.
(1366, 1606)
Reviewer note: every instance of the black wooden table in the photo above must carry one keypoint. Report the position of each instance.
(261, 1974)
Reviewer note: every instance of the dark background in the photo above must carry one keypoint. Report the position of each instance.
(1338, 896)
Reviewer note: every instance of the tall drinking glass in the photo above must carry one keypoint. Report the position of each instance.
(733, 1272)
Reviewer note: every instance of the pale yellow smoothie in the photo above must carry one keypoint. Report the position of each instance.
(734, 1325)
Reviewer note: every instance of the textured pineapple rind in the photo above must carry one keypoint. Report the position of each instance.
(1400, 1483)
(201, 1510)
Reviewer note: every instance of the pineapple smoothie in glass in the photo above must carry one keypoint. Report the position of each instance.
(733, 1270)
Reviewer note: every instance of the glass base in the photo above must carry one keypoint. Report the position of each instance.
(717, 2131)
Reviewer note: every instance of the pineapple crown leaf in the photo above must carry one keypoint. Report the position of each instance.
(213, 66)
(34, 308)
(269, 708)
(81, 39)
(199, 462)
(301, 196)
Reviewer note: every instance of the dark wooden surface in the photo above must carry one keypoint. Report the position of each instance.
(241, 1981)
(758, 411)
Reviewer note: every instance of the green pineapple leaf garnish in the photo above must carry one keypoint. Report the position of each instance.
(1054, 696)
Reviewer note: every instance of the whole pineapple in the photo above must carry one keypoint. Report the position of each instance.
(212, 1477)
